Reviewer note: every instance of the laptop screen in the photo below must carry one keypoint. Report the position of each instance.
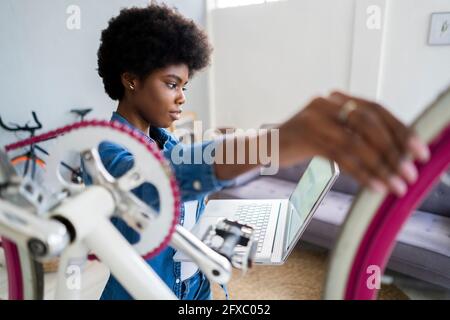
(308, 191)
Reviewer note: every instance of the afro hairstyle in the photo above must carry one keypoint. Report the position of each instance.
(142, 40)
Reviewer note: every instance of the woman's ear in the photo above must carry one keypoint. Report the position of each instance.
(129, 81)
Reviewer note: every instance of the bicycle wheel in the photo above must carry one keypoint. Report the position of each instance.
(20, 273)
(18, 160)
(374, 221)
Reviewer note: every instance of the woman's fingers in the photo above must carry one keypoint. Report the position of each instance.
(373, 130)
(388, 135)
(403, 136)
(367, 141)
(358, 157)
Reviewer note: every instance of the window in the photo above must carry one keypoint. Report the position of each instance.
(219, 4)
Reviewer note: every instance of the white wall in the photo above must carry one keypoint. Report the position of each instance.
(50, 69)
(271, 59)
(368, 32)
(412, 72)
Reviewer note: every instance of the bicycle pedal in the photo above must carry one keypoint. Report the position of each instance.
(234, 241)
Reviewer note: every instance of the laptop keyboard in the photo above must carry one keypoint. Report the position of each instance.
(257, 216)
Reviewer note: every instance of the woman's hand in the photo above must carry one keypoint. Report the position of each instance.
(367, 142)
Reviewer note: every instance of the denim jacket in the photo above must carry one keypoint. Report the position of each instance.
(195, 181)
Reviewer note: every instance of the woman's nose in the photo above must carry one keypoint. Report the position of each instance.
(181, 99)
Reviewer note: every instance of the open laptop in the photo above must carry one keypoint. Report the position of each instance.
(278, 224)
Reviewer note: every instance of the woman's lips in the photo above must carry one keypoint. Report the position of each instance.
(175, 115)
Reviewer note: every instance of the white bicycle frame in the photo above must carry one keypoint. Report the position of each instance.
(85, 219)
(90, 214)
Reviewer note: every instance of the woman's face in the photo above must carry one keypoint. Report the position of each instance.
(159, 97)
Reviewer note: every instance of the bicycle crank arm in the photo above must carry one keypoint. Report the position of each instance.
(44, 238)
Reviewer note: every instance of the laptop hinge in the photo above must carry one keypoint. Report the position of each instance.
(277, 247)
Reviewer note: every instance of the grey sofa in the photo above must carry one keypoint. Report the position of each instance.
(423, 247)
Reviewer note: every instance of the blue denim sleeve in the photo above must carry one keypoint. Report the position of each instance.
(193, 166)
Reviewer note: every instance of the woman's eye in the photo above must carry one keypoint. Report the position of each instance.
(174, 86)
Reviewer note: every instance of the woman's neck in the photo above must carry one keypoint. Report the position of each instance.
(133, 117)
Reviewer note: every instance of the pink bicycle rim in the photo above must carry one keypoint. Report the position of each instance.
(13, 269)
(380, 237)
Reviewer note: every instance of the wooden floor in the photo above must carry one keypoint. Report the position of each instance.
(301, 277)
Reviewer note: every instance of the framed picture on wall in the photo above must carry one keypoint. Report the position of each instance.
(439, 29)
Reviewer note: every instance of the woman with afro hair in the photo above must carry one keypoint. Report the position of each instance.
(146, 58)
